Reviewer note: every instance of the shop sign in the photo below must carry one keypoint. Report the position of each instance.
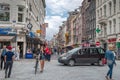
(112, 40)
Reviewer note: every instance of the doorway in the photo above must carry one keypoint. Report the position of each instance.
(20, 44)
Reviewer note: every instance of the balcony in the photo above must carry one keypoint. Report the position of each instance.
(103, 20)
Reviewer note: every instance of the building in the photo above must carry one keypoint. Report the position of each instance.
(61, 35)
(79, 27)
(15, 15)
(71, 28)
(85, 5)
(91, 22)
(108, 22)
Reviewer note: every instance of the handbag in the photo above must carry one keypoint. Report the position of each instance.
(109, 62)
(104, 61)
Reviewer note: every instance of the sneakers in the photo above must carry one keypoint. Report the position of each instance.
(107, 78)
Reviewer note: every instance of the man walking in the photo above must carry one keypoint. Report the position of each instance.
(3, 52)
(9, 58)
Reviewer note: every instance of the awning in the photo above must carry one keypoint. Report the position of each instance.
(6, 38)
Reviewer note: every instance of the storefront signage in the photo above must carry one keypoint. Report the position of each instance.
(112, 40)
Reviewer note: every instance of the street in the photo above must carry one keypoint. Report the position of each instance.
(24, 70)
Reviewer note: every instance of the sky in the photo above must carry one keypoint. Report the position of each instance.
(57, 12)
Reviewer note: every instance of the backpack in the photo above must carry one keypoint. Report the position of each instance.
(3, 52)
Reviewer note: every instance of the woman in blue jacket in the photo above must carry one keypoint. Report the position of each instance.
(109, 55)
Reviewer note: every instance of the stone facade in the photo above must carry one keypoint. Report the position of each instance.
(16, 15)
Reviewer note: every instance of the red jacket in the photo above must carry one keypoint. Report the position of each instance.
(47, 50)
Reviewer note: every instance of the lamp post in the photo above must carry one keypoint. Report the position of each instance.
(29, 26)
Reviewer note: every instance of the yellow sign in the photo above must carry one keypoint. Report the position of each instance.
(38, 31)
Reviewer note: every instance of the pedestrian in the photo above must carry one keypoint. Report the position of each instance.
(40, 51)
(47, 53)
(9, 58)
(3, 52)
(17, 53)
(110, 57)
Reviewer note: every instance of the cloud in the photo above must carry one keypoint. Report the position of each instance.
(53, 25)
(57, 13)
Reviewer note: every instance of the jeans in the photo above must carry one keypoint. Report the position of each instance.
(8, 66)
(2, 61)
(110, 71)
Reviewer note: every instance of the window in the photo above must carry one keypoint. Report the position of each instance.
(20, 9)
(105, 10)
(101, 51)
(119, 24)
(4, 12)
(110, 24)
(110, 8)
(93, 51)
(98, 13)
(119, 4)
(114, 2)
(20, 13)
(20, 17)
(101, 12)
(114, 25)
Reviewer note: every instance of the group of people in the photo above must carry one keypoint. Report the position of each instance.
(44, 53)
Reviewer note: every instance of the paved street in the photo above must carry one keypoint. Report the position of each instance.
(24, 70)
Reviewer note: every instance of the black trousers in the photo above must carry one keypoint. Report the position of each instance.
(2, 61)
(8, 66)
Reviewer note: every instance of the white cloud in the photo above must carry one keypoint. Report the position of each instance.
(58, 7)
(53, 25)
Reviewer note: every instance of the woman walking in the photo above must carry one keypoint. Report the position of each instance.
(109, 55)
(42, 58)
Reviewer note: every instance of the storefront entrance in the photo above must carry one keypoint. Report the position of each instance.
(20, 44)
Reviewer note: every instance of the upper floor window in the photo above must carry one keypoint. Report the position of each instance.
(101, 12)
(114, 25)
(98, 13)
(114, 2)
(110, 8)
(119, 4)
(119, 24)
(110, 24)
(20, 13)
(104, 10)
(4, 12)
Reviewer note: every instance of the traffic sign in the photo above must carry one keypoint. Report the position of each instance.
(97, 43)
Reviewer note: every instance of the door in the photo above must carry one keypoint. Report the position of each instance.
(84, 55)
(93, 55)
(20, 44)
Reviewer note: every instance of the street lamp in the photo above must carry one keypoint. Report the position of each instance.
(29, 26)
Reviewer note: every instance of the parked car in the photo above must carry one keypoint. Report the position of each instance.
(83, 55)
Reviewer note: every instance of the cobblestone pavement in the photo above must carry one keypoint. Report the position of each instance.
(24, 70)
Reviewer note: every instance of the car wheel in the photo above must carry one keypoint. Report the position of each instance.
(100, 63)
(71, 62)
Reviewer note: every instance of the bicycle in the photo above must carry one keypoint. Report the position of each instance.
(36, 64)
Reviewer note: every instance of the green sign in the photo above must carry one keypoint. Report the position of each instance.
(118, 44)
(98, 30)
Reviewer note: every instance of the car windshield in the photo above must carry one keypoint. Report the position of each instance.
(73, 51)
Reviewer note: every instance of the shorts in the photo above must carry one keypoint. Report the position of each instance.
(42, 57)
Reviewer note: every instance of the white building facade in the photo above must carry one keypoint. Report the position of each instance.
(108, 22)
(15, 15)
